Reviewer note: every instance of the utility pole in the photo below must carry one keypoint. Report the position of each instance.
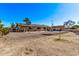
(77, 22)
(51, 22)
(51, 25)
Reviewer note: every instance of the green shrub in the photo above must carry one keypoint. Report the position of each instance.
(75, 27)
(5, 31)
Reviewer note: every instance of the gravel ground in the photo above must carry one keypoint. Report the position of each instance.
(36, 44)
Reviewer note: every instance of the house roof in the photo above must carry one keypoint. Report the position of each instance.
(58, 26)
(34, 25)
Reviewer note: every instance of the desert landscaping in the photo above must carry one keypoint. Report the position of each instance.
(38, 44)
(39, 29)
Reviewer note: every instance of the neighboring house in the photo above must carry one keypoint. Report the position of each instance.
(57, 28)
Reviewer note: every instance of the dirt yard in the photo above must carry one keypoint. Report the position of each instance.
(36, 44)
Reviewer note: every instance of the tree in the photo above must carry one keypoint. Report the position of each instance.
(1, 25)
(12, 25)
(69, 24)
(27, 21)
(1, 28)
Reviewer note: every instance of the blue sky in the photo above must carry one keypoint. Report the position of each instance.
(39, 13)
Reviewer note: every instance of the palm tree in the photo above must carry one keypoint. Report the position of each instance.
(27, 21)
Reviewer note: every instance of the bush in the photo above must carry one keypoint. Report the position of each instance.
(5, 31)
(75, 27)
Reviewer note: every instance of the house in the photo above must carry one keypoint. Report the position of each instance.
(58, 28)
(35, 27)
(32, 27)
